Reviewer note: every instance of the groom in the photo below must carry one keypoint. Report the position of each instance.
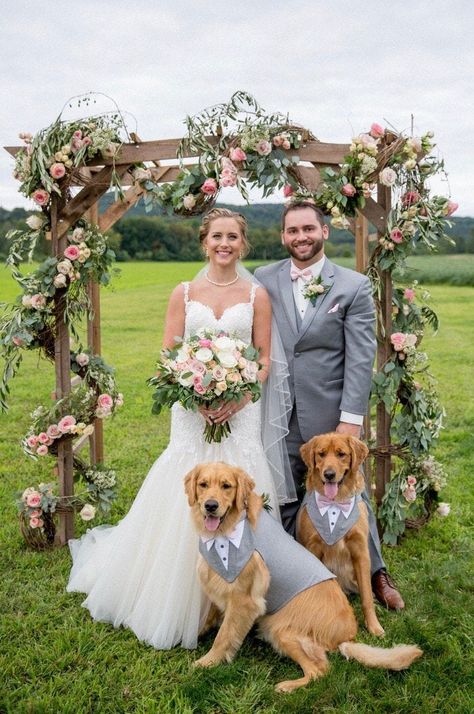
(330, 348)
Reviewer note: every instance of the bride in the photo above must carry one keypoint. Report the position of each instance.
(141, 573)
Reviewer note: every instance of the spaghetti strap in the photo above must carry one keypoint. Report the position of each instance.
(186, 293)
(252, 293)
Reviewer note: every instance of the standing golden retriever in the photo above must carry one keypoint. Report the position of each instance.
(333, 462)
(312, 622)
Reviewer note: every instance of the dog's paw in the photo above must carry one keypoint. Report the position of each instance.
(375, 628)
(206, 660)
(288, 686)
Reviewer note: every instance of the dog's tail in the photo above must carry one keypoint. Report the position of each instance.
(398, 657)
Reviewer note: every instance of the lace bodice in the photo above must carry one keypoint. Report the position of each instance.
(236, 319)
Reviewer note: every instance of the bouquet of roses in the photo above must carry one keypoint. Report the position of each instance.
(204, 370)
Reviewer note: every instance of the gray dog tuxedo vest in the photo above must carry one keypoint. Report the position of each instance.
(292, 568)
(333, 524)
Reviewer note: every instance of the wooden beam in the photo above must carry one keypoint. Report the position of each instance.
(376, 213)
(309, 176)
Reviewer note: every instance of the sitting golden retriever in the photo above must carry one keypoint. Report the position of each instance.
(338, 534)
(245, 586)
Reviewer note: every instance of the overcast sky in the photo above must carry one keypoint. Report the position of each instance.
(335, 67)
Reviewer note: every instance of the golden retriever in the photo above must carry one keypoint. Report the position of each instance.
(333, 462)
(316, 620)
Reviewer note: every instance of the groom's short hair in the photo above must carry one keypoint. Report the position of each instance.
(296, 206)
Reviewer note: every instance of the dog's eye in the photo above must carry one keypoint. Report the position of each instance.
(341, 454)
(226, 485)
(321, 454)
(203, 484)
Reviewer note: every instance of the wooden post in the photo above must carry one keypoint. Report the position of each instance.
(361, 232)
(384, 329)
(62, 362)
(96, 440)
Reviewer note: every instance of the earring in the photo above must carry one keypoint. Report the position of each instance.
(241, 255)
(206, 252)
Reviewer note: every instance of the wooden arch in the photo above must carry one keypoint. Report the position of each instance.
(93, 181)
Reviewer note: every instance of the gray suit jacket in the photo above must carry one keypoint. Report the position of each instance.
(330, 356)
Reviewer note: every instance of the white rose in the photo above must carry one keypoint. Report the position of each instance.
(59, 281)
(225, 343)
(78, 235)
(189, 201)
(34, 222)
(26, 300)
(64, 267)
(204, 354)
(226, 359)
(443, 509)
(182, 355)
(249, 375)
(86, 252)
(387, 177)
(186, 381)
(87, 512)
(220, 387)
(82, 359)
(88, 430)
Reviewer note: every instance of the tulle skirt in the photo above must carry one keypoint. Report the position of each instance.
(141, 573)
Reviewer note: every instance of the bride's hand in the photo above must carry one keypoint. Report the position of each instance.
(225, 411)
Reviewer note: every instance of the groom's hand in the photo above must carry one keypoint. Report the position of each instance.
(345, 428)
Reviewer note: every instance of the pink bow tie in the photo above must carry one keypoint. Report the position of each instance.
(323, 502)
(304, 274)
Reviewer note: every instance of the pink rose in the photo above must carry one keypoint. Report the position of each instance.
(53, 431)
(87, 141)
(105, 401)
(197, 384)
(32, 441)
(209, 186)
(72, 252)
(411, 480)
(57, 170)
(263, 148)
(348, 190)
(204, 342)
(76, 144)
(65, 424)
(38, 301)
(451, 207)
(398, 340)
(237, 154)
(77, 134)
(286, 144)
(43, 438)
(42, 450)
(40, 197)
(396, 235)
(278, 140)
(287, 190)
(410, 197)
(33, 500)
(376, 131)
(409, 494)
(409, 294)
(197, 367)
(229, 180)
(36, 522)
(17, 341)
(36, 513)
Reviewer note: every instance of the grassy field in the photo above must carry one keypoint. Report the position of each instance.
(53, 658)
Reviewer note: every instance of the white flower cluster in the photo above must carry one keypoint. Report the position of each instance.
(101, 479)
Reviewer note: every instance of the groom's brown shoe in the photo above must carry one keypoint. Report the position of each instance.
(385, 591)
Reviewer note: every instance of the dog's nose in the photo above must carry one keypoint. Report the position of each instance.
(329, 474)
(211, 506)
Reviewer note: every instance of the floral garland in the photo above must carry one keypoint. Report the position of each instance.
(47, 165)
(234, 139)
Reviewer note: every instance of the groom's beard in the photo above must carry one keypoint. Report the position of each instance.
(308, 254)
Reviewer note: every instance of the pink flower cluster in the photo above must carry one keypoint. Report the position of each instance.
(228, 174)
(283, 141)
(105, 405)
(410, 491)
(209, 186)
(78, 141)
(38, 443)
(36, 301)
(402, 343)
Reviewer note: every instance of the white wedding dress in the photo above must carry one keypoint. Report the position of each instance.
(141, 573)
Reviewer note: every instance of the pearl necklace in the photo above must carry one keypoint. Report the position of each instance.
(221, 285)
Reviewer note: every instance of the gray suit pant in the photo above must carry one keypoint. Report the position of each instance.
(289, 511)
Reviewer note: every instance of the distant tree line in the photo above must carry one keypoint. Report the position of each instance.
(139, 236)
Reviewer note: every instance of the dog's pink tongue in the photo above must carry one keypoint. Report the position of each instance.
(212, 523)
(330, 490)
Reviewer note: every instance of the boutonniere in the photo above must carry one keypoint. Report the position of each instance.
(314, 288)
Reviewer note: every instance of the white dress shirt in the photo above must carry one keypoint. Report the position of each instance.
(301, 303)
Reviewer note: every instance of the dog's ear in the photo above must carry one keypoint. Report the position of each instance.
(254, 506)
(190, 483)
(245, 486)
(308, 452)
(359, 452)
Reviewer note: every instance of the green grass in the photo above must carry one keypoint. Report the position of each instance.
(434, 269)
(53, 658)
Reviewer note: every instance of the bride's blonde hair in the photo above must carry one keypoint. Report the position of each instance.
(205, 226)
